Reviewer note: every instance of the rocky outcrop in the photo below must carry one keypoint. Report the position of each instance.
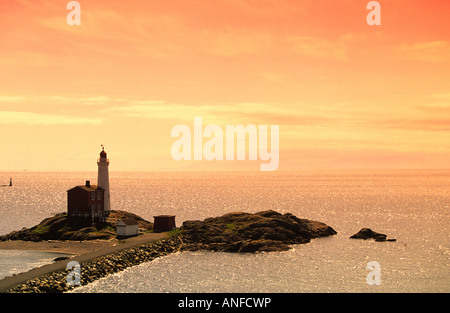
(367, 233)
(61, 227)
(245, 232)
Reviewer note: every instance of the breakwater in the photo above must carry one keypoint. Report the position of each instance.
(100, 267)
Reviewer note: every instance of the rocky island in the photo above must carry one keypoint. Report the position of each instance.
(232, 232)
(367, 233)
(245, 232)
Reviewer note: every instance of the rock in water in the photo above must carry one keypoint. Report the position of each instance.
(367, 233)
(245, 232)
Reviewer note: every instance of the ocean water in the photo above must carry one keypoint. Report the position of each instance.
(411, 206)
(17, 261)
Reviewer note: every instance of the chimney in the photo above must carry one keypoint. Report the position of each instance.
(88, 183)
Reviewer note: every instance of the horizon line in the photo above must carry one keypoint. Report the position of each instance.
(233, 170)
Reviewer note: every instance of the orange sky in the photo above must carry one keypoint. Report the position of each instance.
(345, 94)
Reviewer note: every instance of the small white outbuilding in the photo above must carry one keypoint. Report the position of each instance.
(127, 227)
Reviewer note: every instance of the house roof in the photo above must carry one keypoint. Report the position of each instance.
(128, 221)
(92, 188)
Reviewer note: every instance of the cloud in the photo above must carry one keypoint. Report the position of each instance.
(107, 31)
(161, 33)
(30, 118)
(431, 124)
(320, 48)
(432, 51)
(224, 114)
(345, 117)
(11, 99)
(268, 7)
(436, 105)
(273, 77)
(441, 96)
(236, 42)
(97, 100)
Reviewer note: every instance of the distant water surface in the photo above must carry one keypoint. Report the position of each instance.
(411, 206)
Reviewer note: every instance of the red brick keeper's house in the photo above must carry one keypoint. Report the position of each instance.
(86, 201)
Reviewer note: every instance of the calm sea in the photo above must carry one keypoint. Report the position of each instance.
(411, 206)
(17, 261)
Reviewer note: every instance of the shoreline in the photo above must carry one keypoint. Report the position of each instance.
(67, 247)
(52, 277)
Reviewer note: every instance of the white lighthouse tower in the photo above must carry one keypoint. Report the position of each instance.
(103, 178)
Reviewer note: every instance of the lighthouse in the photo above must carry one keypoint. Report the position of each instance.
(103, 178)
